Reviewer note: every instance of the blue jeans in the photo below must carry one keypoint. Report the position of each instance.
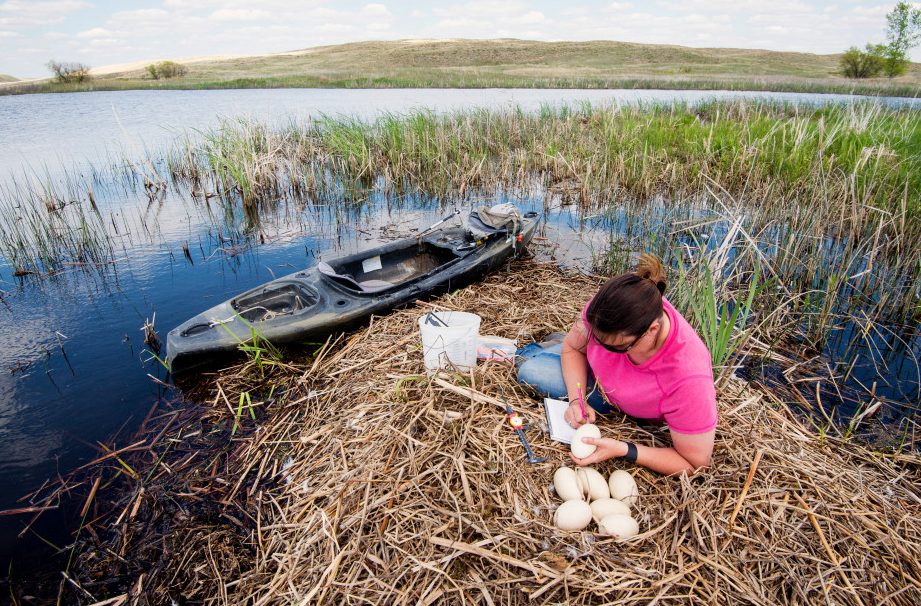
(540, 368)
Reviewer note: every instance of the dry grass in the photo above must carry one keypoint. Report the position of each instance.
(512, 63)
(359, 480)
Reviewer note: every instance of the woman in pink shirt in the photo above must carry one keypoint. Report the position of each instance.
(634, 353)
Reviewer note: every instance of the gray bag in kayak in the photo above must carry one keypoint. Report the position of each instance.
(486, 221)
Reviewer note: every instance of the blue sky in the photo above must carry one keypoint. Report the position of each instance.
(105, 32)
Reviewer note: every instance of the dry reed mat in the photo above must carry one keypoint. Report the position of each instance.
(360, 480)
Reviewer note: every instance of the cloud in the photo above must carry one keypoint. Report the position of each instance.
(532, 17)
(375, 10)
(96, 32)
(239, 14)
(102, 34)
(21, 13)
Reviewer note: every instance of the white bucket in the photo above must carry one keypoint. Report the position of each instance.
(451, 346)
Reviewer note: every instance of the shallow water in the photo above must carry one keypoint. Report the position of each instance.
(73, 369)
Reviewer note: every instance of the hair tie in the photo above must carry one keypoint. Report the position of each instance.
(661, 286)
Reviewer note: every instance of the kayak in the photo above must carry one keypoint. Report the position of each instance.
(341, 294)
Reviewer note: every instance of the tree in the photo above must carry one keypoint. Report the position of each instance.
(166, 69)
(903, 32)
(856, 63)
(69, 72)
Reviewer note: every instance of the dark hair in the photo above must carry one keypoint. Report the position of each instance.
(627, 304)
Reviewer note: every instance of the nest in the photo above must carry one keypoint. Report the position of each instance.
(358, 479)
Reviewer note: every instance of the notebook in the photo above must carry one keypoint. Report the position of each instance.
(560, 430)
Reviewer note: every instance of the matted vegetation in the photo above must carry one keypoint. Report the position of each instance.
(352, 477)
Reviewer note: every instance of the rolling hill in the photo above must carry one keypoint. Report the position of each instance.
(507, 63)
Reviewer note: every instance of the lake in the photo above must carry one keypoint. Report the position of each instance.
(73, 365)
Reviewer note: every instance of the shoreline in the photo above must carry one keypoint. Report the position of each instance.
(639, 83)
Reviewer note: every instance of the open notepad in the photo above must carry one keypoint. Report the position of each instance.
(560, 430)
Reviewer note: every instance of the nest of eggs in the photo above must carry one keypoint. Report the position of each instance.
(371, 482)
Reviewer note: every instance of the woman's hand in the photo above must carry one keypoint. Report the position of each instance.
(607, 448)
(573, 414)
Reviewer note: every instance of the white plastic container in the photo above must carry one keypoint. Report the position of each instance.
(451, 346)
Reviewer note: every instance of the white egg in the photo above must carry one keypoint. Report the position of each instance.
(572, 515)
(580, 448)
(566, 484)
(619, 525)
(605, 507)
(623, 487)
(592, 483)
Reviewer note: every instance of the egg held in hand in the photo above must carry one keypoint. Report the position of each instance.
(579, 448)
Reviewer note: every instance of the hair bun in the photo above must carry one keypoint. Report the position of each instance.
(650, 268)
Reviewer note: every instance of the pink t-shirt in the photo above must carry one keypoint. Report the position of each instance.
(675, 385)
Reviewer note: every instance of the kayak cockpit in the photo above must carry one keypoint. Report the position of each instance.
(382, 269)
(274, 300)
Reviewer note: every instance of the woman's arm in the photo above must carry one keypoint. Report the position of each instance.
(575, 371)
(689, 452)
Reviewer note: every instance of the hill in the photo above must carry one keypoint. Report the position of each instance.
(6, 78)
(508, 63)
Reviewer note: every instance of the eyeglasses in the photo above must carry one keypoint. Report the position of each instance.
(621, 350)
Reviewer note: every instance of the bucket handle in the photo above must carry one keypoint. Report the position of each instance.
(433, 320)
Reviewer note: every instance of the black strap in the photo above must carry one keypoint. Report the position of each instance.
(631, 452)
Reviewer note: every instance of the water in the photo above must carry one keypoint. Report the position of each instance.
(73, 366)
(60, 129)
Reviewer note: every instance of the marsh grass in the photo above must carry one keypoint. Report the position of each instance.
(828, 197)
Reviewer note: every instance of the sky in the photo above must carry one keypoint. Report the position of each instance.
(105, 32)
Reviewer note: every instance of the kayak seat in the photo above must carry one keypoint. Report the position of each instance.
(364, 286)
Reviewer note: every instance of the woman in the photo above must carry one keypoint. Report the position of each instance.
(633, 352)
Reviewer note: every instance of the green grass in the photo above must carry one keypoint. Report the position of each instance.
(510, 63)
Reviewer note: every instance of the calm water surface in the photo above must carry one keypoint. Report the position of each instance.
(73, 369)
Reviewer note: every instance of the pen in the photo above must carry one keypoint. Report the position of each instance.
(581, 402)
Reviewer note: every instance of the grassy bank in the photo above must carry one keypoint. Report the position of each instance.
(349, 476)
(508, 63)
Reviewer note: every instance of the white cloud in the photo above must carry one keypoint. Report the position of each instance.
(107, 42)
(532, 17)
(375, 10)
(21, 13)
(96, 32)
(182, 28)
(239, 14)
